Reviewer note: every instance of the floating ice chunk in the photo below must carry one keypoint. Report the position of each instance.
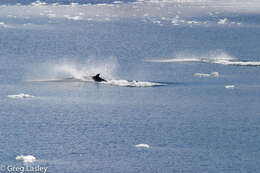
(11, 16)
(117, 2)
(27, 159)
(202, 75)
(156, 22)
(107, 19)
(163, 18)
(230, 86)
(213, 74)
(81, 14)
(22, 95)
(223, 58)
(74, 4)
(175, 22)
(2, 24)
(50, 15)
(223, 21)
(142, 146)
(73, 17)
(38, 3)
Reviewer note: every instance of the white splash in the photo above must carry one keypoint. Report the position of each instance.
(22, 95)
(26, 159)
(126, 83)
(142, 146)
(67, 71)
(78, 70)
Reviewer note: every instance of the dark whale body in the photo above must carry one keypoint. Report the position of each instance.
(97, 78)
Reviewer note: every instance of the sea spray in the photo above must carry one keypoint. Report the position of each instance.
(64, 68)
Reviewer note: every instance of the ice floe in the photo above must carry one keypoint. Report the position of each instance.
(177, 12)
(22, 95)
(230, 86)
(3, 25)
(142, 146)
(223, 21)
(215, 58)
(26, 159)
(213, 74)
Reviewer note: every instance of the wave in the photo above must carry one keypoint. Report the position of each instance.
(22, 95)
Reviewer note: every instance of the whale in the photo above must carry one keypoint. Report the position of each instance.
(97, 78)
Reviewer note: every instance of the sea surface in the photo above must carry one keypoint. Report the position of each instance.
(182, 80)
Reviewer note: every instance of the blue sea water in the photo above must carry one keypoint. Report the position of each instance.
(191, 123)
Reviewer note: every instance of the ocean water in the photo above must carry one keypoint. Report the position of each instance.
(182, 80)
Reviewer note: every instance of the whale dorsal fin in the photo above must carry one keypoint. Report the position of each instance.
(97, 78)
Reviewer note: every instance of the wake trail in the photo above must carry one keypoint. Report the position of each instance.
(114, 82)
